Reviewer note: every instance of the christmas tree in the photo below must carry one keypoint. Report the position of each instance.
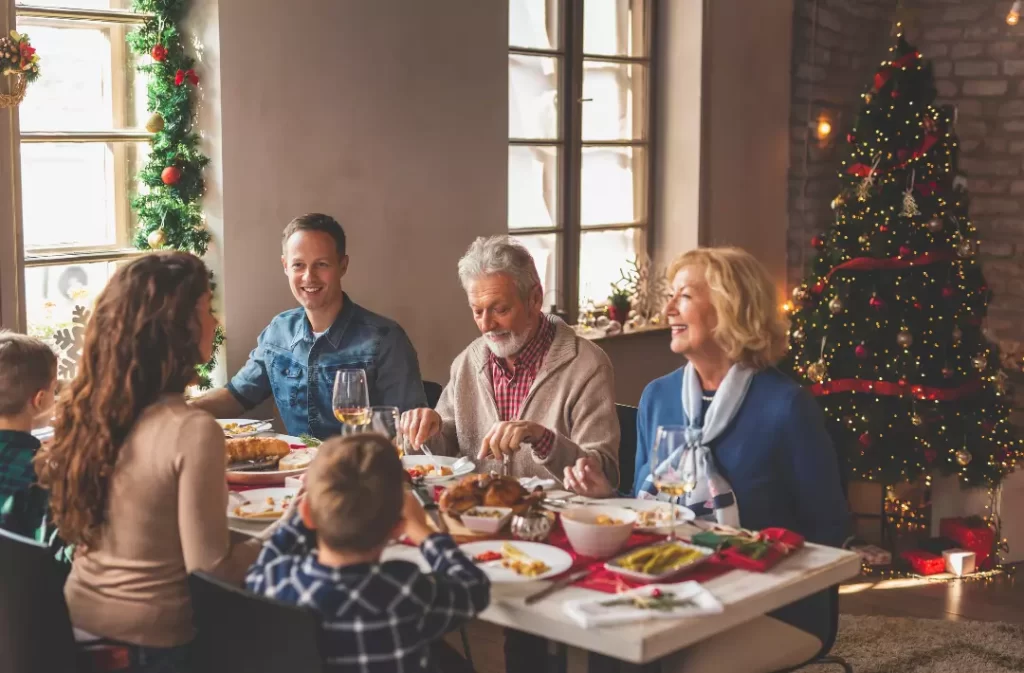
(887, 326)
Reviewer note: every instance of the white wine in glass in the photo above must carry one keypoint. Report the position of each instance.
(669, 467)
(351, 400)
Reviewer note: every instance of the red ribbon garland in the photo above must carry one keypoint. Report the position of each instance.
(889, 389)
(863, 170)
(883, 76)
(873, 264)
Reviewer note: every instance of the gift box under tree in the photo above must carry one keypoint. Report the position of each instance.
(972, 534)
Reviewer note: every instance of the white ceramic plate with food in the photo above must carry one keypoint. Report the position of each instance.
(243, 427)
(260, 504)
(300, 454)
(421, 464)
(651, 515)
(686, 557)
(536, 560)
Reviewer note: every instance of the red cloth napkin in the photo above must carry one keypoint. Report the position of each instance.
(785, 542)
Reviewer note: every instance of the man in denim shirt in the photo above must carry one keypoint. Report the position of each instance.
(298, 354)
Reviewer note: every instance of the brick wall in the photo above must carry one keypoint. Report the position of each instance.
(979, 67)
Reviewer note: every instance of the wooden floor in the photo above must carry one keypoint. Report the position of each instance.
(1001, 599)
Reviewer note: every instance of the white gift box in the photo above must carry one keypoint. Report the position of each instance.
(959, 561)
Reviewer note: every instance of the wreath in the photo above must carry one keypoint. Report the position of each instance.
(18, 60)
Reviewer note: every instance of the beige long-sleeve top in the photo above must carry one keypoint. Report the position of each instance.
(166, 516)
(573, 396)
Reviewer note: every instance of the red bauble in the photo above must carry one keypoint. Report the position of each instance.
(917, 305)
(895, 93)
(818, 288)
(948, 292)
(882, 228)
(902, 383)
(817, 242)
(865, 439)
(930, 455)
(171, 175)
(861, 351)
(876, 303)
(905, 251)
(159, 53)
(850, 138)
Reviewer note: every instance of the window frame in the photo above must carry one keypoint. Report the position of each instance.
(568, 228)
(13, 312)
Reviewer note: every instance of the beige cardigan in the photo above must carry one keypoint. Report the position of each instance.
(166, 516)
(573, 396)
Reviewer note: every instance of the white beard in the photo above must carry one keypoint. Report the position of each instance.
(508, 347)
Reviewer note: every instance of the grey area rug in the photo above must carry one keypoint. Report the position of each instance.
(904, 645)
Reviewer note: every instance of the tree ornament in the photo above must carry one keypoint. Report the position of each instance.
(170, 175)
(838, 201)
(901, 382)
(189, 75)
(817, 371)
(799, 335)
(836, 306)
(818, 288)
(905, 339)
(957, 335)
(155, 123)
(883, 228)
(876, 303)
(905, 251)
(817, 242)
(156, 239)
(965, 248)
(935, 225)
(895, 93)
(979, 362)
(916, 419)
(963, 457)
(851, 138)
(947, 372)
(159, 53)
(865, 439)
(800, 295)
(862, 351)
(910, 208)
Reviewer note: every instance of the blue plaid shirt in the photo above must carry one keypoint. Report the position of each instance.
(298, 369)
(378, 617)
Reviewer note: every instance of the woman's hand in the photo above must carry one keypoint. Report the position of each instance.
(419, 425)
(587, 478)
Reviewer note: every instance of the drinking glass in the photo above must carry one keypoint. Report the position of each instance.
(672, 467)
(384, 421)
(351, 401)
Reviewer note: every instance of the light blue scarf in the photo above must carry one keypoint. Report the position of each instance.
(712, 493)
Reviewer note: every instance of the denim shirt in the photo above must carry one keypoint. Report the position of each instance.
(299, 370)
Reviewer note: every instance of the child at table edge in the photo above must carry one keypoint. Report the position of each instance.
(28, 381)
(326, 556)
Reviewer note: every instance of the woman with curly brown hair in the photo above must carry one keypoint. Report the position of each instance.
(136, 477)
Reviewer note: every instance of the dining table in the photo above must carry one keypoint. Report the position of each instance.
(745, 595)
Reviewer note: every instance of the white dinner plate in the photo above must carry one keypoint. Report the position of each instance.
(464, 469)
(557, 560)
(247, 431)
(269, 501)
(638, 505)
(271, 477)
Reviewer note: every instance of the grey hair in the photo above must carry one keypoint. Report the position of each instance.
(499, 254)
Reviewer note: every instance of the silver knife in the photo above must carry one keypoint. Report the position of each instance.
(557, 586)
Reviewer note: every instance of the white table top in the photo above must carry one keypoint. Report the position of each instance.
(746, 595)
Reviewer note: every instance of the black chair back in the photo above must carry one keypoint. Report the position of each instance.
(433, 391)
(627, 446)
(35, 629)
(240, 631)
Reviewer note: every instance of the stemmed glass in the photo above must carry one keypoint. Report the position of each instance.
(351, 400)
(384, 420)
(672, 467)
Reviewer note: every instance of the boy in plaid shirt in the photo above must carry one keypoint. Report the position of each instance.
(28, 380)
(375, 616)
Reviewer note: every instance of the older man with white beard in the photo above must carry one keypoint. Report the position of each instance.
(529, 390)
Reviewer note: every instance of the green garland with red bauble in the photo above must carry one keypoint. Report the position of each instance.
(168, 207)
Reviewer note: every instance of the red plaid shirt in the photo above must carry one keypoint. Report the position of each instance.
(511, 388)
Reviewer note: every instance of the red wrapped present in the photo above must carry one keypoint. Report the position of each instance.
(972, 534)
(923, 562)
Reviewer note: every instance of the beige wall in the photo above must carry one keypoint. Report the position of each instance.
(388, 114)
(746, 127)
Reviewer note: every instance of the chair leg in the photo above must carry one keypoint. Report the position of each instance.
(838, 661)
(465, 647)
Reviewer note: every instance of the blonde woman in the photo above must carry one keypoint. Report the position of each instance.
(764, 457)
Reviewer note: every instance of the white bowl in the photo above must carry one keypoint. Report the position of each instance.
(488, 525)
(589, 538)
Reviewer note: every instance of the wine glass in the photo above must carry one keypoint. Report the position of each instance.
(351, 401)
(384, 420)
(672, 467)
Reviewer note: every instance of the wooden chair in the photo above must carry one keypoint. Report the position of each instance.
(627, 447)
(35, 629)
(433, 391)
(240, 631)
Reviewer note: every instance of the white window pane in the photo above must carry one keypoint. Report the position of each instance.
(613, 185)
(614, 27)
(533, 97)
(544, 248)
(78, 4)
(604, 255)
(532, 187)
(614, 96)
(533, 23)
